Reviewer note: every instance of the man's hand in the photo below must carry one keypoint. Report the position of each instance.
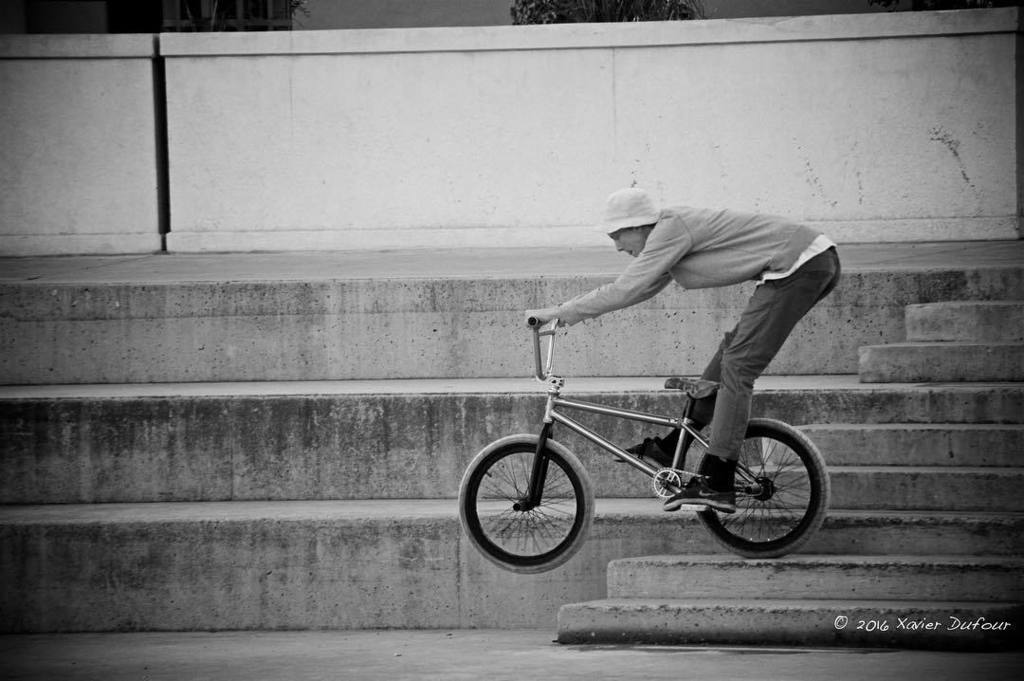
(543, 315)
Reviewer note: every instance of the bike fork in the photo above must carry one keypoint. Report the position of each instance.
(538, 474)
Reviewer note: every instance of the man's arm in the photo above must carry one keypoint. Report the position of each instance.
(614, 296)
(645, 276)
(594, 303)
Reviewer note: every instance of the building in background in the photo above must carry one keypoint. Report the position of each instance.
(146, 16)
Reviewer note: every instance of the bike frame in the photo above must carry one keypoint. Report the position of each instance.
(552, 415)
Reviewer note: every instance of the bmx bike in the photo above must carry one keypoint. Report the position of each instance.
(527, 503)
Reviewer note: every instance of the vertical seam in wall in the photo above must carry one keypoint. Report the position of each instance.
(1018, 70)
(163, 201)
(615, 109)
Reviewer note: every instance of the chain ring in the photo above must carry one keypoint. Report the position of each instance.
(665, 478)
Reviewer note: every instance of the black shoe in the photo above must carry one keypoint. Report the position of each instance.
(721, 473)
(698, 493)
(651, 449)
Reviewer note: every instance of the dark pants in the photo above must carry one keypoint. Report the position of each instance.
(774, 309)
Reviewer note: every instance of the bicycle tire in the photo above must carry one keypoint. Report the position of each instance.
(790, 467)
(525, 541)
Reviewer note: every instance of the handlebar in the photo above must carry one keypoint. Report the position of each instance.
(542, 370)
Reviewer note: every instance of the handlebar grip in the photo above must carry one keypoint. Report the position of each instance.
(536, 324)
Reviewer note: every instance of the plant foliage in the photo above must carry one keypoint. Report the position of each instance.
(930, 5)
(580, 11)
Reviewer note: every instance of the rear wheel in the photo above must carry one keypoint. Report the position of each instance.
(507, 530)
(782, 493)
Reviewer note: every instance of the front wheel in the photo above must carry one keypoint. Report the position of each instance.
(782, 493)
(507, 531)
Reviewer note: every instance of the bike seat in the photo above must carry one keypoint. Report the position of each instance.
(695, 388)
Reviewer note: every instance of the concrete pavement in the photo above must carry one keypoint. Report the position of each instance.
(453, 655)
(458, 262)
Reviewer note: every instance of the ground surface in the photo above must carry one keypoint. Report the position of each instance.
(456, 655)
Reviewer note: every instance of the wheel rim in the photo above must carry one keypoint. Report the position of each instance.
(532, 535)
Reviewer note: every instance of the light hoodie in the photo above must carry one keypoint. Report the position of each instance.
(698, 248)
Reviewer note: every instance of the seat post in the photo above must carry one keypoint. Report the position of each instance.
(688, 408)
(694, 389)
(685, 439)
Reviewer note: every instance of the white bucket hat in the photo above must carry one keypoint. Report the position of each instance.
(630, 207)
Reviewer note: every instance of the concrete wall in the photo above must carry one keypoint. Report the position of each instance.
(881, 126)
(394, 327)
(78, 165)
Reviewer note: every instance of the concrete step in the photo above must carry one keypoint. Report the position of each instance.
(954, 361)
(934, 625)
(923, 488)
(919, 444)
(888, 532)
(157, 322)
(904, 488)
(891, 577)
(967, 322)
(391, 439)
(362, 564)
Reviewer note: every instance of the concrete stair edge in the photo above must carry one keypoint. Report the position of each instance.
(927, 488)
(245, 565)
(863, 577)
(175, 434)
(385, 509)
(941, 361)
(855, 623)
(236, 331)
(970, 321)
(919, 444)
(854, 487)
